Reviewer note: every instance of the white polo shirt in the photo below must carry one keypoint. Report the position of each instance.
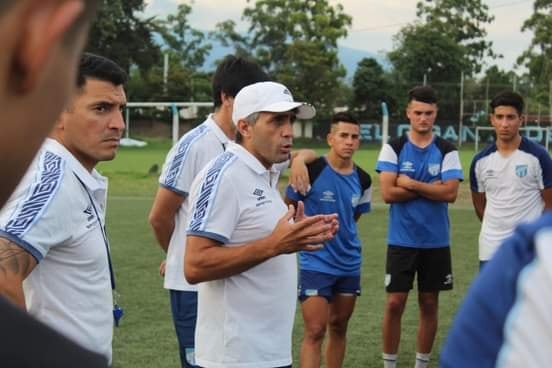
(184, 161)
(244, 321)
(51, 216)
(512, 187)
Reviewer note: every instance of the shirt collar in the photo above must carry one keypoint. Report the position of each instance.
(92, 180)
(251, 161)
(211, 123)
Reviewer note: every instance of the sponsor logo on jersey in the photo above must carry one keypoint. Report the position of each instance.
(328, 196)
(434, 169)
(259, 194)
(407, 166)
(521, 170)
(89, 216)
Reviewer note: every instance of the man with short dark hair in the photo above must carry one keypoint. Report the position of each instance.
(53, 225)
(419, 176)
(329, 278)
(241, 238)
(511, 178)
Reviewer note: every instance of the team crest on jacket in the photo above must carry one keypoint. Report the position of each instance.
(521, 170)
(433, 169)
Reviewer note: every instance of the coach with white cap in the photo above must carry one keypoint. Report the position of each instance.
(241, 237)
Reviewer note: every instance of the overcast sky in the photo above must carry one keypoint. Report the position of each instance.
(375, 21)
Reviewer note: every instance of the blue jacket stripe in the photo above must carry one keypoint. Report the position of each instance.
(175, 165)
(40, 194)
(209, 186)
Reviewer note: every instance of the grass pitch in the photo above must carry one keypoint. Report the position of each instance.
(146, 337)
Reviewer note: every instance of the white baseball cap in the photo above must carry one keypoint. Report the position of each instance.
(269, 97)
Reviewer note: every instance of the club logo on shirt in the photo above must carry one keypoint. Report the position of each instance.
(407, 166)
(328, 196)
(433, 169)
(521, 170)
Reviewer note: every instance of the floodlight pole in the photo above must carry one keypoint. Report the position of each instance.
(175, 123)
(165, 71)
(384, 124)
(461, 122)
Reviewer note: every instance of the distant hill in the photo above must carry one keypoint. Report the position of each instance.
(349, 57)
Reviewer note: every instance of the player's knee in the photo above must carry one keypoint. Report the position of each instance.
(395, 306)
(314, 332)
(428, 306)
(338, 326)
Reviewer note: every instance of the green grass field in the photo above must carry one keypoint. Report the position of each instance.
(146, 337)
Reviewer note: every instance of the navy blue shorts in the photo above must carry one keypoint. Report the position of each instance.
(184, 312)
(312, 283)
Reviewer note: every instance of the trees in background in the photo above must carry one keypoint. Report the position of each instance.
(296, 42)
(537, 58)
(122, 35)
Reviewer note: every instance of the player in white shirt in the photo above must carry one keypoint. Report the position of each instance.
(55, 219)
(241, 238)
(511, 179)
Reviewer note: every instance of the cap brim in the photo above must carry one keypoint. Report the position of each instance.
(304, 110)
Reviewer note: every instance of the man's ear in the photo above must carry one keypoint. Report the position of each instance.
(227, 101)
(243, 127)
(45, 25)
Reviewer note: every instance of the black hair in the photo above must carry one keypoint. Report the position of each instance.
(234, 73)
(425, 94)
(94, 66)
(508, 98)
(345, 117)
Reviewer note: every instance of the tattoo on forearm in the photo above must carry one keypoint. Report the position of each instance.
(14, 260)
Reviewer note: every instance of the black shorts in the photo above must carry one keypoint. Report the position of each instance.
(432, 265)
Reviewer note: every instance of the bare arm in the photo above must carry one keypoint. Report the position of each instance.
(162, 214)
(299, 175)
(547, 197)
(207, 260)
(436, 191)
(15, 265)
(479, 201)
(391, 192)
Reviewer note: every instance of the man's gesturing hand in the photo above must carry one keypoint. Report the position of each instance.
(305, 233)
